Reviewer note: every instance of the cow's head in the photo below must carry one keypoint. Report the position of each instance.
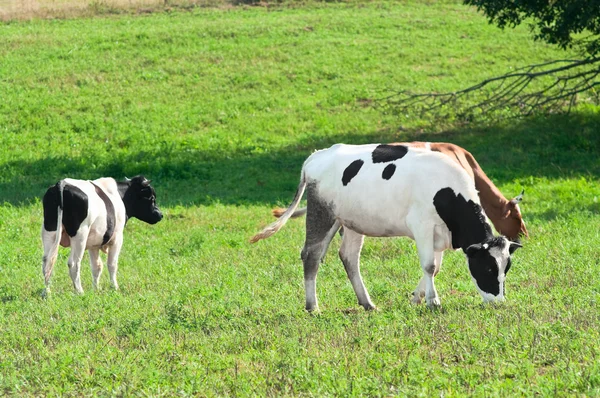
(140, 200)
(489, 263)
(511, 225)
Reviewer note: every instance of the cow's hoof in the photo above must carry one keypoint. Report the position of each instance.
(417, 298)
(434, 303)
(370, 307)
(312, 309)
(46, 293)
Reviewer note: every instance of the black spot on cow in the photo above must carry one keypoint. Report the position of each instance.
(388, 153)
(75, 209)
(110, 214)
(351, 171)
(465, 219)
(51, 202)
(74, 205)
(389, 171)
(484, 269)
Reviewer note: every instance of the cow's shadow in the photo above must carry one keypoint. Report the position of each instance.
(519, 151)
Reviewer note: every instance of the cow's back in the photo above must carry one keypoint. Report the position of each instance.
(373, 188)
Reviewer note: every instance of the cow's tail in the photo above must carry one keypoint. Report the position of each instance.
(272, 228)
(278, 212)
(50, 257)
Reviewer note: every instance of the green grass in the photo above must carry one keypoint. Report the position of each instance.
(220, 107)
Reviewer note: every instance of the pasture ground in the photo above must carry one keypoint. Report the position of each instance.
(219, 107)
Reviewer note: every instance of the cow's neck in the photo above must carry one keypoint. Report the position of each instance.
(123, 188)
(465, 219)
(492, 200)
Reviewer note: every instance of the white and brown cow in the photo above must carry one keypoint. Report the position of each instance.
(503, 213)
(395, 190)
(91, 215)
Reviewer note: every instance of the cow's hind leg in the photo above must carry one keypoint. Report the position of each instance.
(321, 227)
(49, 258)
(350, 255)
(77, 251)
(112, 262)
(96, 267)
(419, 292)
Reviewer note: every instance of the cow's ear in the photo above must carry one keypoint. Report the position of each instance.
(514, 246)
(517, 199)
(473, 249)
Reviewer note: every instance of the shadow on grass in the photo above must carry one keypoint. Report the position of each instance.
(553, 147)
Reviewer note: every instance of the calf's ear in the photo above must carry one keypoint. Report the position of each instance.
(514, 246)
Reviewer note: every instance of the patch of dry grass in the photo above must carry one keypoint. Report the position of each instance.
(44, 9)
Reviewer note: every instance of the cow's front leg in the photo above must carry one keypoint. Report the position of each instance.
(96, 267)
(113, 260)
(77, 250)
(350, 255)
(419, 292)
(424, 237)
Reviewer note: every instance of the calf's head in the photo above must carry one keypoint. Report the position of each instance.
(489, 263)
(140, 200)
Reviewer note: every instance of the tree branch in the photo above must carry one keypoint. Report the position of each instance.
(522, 92)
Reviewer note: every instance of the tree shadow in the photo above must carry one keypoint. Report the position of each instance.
(520, 151)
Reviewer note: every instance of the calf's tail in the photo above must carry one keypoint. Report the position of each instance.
(50, 257)
(272, 228)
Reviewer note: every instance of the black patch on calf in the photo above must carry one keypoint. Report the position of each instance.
(351, 171)
(110, 214)
(464, 219)
(51, 202)
(389, 171)
(75, 209)
(388, 153)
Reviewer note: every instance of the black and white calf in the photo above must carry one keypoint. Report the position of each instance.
(384, 190)
(91, 215)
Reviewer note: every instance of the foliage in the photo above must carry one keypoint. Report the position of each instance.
(219, 107)
(556, 22)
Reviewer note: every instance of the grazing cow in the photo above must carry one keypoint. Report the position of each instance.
(395, 190)
(91, 215)
(503, 213)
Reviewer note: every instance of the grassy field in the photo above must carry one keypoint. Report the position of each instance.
(219, 107)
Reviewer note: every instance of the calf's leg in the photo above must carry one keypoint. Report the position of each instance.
(78, 243)
(49, 258)
(112, 262)
(321, 227)
(96, 267)
(350, 255)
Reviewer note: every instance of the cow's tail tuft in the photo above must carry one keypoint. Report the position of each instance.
(272, 228)
(51, 256)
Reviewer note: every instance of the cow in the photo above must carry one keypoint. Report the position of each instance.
(91, 215)
(503, 213)
(385, 190)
